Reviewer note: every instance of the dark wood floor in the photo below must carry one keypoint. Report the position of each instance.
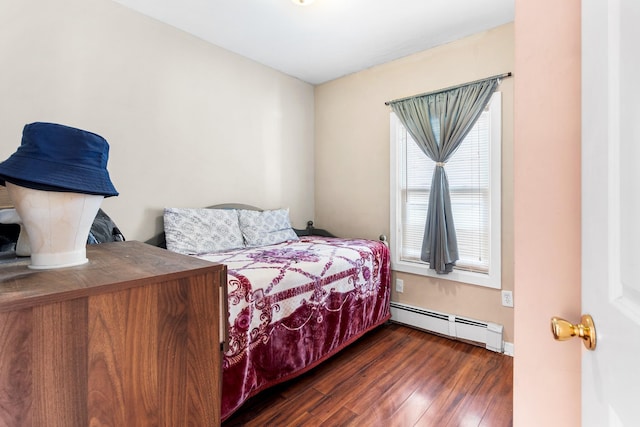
(393, 376)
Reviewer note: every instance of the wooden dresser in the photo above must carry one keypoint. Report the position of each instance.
(130, 339)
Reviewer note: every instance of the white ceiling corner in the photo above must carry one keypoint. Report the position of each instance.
(329, 38)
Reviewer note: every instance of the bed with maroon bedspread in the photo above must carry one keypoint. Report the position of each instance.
(294, 304)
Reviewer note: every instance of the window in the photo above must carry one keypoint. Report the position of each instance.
(474, 184)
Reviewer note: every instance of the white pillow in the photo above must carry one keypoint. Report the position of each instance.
(197, 231)
(266, 227)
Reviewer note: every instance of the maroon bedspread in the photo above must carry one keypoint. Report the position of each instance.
(294, 304)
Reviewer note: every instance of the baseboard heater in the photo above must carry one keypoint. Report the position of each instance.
(484, 333)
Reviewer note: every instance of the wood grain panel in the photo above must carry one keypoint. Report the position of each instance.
(15, 370)
(142, 389)
(123, 367)
(106, 397)
(130, 339)
(172, 336)
(60, 364)
(112, 267)
(204, 349)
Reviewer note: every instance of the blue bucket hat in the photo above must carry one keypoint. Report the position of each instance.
(55, 157)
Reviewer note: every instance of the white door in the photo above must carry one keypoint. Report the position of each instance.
(611, 210)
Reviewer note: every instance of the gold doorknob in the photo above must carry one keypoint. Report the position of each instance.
(563, 330)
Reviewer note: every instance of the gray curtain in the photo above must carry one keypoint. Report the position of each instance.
(438, 123)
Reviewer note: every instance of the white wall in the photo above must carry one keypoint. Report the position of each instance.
(189, 124)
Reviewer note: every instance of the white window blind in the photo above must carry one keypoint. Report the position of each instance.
(472, 188)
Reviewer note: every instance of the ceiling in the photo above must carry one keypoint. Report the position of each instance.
(329, 38)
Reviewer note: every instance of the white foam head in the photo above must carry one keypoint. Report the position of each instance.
(57, 223)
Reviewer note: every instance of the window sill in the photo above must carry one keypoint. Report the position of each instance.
(468, 277)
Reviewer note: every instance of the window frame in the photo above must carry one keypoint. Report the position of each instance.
(492, 279)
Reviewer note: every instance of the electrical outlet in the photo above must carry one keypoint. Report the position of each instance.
(399, 285)
(507, 298)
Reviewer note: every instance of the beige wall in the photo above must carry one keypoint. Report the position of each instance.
(547, 211)
(189, 124)
(352, 158)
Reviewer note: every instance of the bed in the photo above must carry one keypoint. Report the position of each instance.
(295, 297)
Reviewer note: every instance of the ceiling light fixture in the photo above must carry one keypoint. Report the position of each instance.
(303, 2)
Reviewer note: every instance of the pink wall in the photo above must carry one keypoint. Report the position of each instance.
(547, 210)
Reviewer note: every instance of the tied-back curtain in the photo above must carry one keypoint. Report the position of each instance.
(438, 123)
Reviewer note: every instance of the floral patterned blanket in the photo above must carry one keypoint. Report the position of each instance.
(294, 304)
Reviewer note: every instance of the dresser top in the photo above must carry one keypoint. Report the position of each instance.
(111, 267)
